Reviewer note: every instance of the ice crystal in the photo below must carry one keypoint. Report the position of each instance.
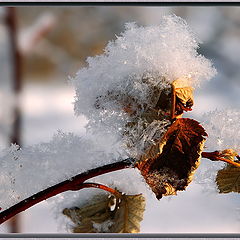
(223, 128)
(34, 168)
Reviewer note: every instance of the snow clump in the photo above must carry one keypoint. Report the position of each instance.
(130, 75)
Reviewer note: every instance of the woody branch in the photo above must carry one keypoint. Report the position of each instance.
(73, 184)
(77, 183)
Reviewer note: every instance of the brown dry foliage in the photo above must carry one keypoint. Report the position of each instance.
(168, 165)
(228, 179)
(98, 216)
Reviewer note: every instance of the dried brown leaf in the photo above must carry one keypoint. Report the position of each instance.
(98, 211)
(176, 158)
(85, 227)
(228, 179)
(183, 96)
(98, 217)
(129, 214)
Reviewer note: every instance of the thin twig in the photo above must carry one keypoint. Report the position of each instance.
(97, 185)
(215, 156)
(64, 186)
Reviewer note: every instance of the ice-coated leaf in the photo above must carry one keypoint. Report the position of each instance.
(169, 165)
(129, 214)
(228, 179)
(150, 124)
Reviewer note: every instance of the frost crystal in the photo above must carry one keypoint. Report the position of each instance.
(32, 169)
(223, 128)
(127, 80)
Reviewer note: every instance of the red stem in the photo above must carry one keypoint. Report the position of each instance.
(72, 184)
(214, 156)
(100, 186)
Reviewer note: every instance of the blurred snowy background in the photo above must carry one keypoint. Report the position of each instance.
(55, 42)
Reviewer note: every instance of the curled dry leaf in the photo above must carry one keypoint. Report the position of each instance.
(106, 214)
(184, 96)
(228, 179)
(169, 165)
(183, 91)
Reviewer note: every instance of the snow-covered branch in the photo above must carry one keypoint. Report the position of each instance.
(72, 184)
